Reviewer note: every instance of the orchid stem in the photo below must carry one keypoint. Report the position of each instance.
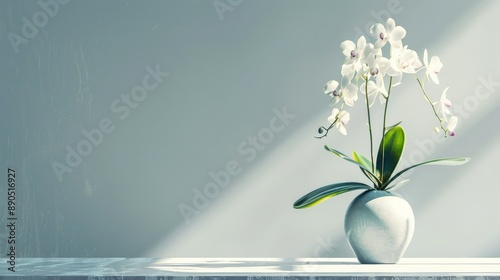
(326, 130)
(369, 123)
(383, 125)
(432, 106)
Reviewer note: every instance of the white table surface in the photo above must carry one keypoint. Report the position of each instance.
(249, 267)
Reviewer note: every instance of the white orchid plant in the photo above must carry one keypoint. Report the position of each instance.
(367, 70)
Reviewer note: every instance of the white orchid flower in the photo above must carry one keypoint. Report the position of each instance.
(377, 67)
(331, 90)
(348, 71)
(373, 92)
(443, 105)
(348, 91)
(432, 68)
(388, 33)
(452, 124)
(404, 61)
(369, 50)
(340, 118)
(353, 54)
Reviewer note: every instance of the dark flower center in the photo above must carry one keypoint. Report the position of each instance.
(354, 54)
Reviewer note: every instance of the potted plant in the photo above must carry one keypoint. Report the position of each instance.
(379, 224)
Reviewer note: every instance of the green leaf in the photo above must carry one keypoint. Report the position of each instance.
(439, 161)
(362, 160)
(389, 152)
(367, 164)
(392, 126)
(372, 178)
(326, 192)
(343, 156)
(340, 154)
(397, 185)
(366, 170)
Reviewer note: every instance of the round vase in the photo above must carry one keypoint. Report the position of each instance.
(379, 226)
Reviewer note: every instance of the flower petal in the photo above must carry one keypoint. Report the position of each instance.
(347, 72)
(376, 29)
(452, 123)
(334, 101)
(333, 116)
(444, 94)
(347, 46)
(361, 43)
(397, 34)
(396, 44)
(341, 128)
(434, 78)
(396, 80)
(349, 102)
(383, 64)
(381, 85)
(372, 92)
(436, 64)
(344, 117)
(370, 60)
(350, 92)
(433, 69)
(369, 49)
(331, 86)
(389, 25)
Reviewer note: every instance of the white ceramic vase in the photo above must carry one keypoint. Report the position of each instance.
(379, 226)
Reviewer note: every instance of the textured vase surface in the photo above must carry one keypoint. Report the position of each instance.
(379, 226)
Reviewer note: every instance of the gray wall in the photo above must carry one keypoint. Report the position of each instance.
(229, 73)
